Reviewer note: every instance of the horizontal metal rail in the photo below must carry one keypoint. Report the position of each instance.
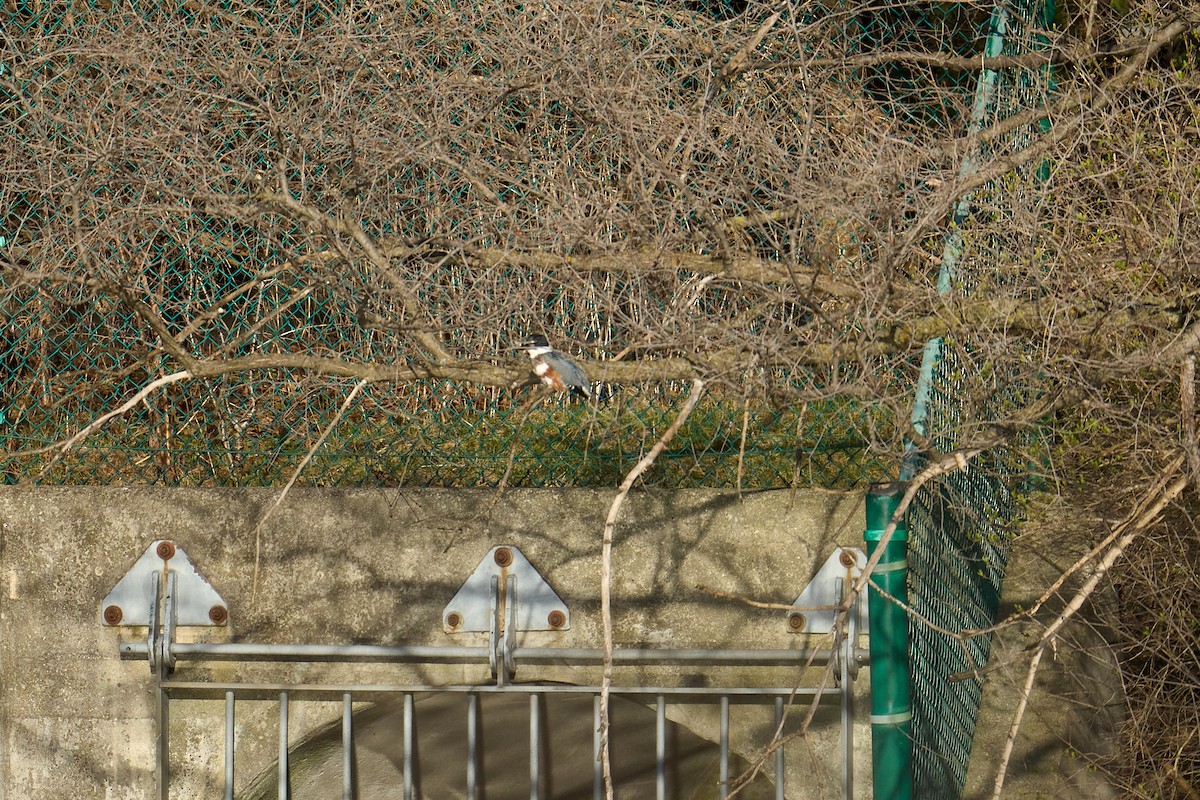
(204, 690)
(679, 656)
(245, 651)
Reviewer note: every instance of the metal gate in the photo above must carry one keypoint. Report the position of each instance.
(504, 597)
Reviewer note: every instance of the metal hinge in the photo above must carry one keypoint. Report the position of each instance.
(818, 607)
(163, 590)
(505, 594)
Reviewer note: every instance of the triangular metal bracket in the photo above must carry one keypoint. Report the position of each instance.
(538, 607)
(815, 612)
(195, 602)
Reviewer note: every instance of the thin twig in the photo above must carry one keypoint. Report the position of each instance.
(952, 463)
(741, 457)
(1134, 530)
(800, 415)
(759, 603)
(59, 448)
(1150, 508)
(736, 63)
(1144, 514)
(1070, 115)
(1083, 561)
(610, 524)
(1187, 412)
(524, 409)
(1018, 715)
(358, 387)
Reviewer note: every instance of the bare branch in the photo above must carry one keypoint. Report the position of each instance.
(1130, 529)
(610, 524)
(99, 422)
(1187, 412)
(1015, 728)
(1069, 116)
(258, 528)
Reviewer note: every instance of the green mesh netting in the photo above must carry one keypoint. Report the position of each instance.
(960, 527)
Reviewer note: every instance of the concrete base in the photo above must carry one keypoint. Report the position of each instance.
(378, 566)
(1077, 702)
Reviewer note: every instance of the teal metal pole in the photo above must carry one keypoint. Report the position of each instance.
(985, 92)
(891, 696)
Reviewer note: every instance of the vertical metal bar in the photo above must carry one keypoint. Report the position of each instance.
(283, 746)
(660, 747)
(409, 746)
(508, 638)
(779, 774)
(163, 743)
(597, 767)
(472, 745)
(162, 717)
(229, 719)
(535, 746)
(494, 631)
(848, 703)
(847, 730)
(347, 746)
(724, 792)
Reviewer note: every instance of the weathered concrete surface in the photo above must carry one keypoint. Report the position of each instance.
(372, 566)
(1077, 702)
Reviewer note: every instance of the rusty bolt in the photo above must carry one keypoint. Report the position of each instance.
(847, 558)
(556, 619)
(454, 619)
(503, 556)
(166, 550)
(796, 622)
(113, 615)
(218, 614)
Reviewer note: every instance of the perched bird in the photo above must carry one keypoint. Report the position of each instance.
(555, 370)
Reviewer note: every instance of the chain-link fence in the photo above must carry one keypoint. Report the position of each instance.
(350, 190)
(960, 527)
(135, 244)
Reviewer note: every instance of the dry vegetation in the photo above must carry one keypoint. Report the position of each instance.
(394, 193)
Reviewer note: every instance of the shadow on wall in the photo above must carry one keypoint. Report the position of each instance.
(440, 723)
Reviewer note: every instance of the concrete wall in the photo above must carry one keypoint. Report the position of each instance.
(1069, 730)
(372, 566)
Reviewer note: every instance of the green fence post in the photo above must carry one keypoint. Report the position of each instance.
(891, 704)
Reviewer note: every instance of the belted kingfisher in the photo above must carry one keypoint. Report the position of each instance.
(556, 370)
